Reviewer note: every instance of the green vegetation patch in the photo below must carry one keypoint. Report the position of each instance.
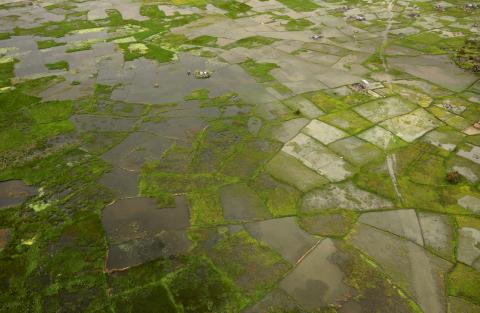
(331, 223)
(45, 44)
(260, 71)
(162, 185)
(233, 8)
(428, 170)
(56, 29)
(300, 5)
(198, 94)
(205, 40)
(201, 287)
(298, 24)
(205, 207)
(250, 155)
(468, 56)
(430, 42)
(468, 221)
(7, 69)
(349, 121)
(463, 282)
(25, 121)
(251, 42)
(375, 290)
(326, 102)
(60, 65)
(151, 11)
(375, 178)
(251, 265)
(154, 299)
(61, 5)
(280, 199)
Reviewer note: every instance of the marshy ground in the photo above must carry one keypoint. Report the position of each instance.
(255, 156)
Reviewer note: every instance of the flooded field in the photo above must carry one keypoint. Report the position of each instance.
(254, 156)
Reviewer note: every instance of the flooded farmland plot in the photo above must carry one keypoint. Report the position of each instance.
(251, 156)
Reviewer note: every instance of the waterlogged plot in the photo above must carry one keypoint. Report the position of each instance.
(260, 156)
(318, 157)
